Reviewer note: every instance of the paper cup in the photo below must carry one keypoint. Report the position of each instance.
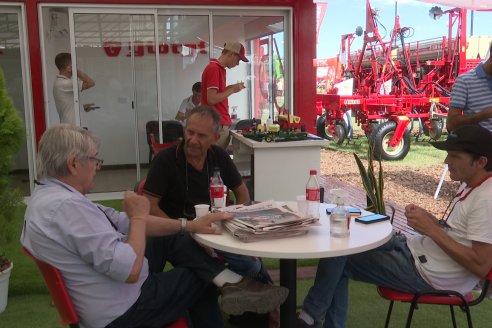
(201, 210)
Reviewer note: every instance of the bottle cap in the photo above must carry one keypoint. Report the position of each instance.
(312, 172)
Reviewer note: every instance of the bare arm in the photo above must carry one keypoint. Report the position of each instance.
(214, 96)
(475, 259)
(158, 226)
(154, 205)
(456, 118)
(137, 209)
(87, 82)
(180, 116)
(242, 194)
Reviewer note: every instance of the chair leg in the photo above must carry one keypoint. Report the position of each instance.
(466, 308)
(388, 315)
(413, 306)
(451, 309)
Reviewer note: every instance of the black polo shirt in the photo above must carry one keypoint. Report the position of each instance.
(180, 186)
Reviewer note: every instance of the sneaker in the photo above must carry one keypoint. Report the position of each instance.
(249, 295)
(303, 324)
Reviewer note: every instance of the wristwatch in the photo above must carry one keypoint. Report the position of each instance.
(183, 225)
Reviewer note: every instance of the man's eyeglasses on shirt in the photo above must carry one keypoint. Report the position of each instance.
(99, 162)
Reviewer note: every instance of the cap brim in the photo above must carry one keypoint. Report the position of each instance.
(243, 58)
(443, 145)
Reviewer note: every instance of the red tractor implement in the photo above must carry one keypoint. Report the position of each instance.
(395, 85)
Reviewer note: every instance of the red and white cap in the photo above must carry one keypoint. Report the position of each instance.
(237, 48)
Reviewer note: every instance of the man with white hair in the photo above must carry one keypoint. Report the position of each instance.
(100, 251)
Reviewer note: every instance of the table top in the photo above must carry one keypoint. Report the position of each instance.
(318, 142)
(317, 243)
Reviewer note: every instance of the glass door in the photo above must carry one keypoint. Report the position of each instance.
(117, 51)
(13, 64)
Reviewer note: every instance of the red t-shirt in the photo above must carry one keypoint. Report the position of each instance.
(214, 76)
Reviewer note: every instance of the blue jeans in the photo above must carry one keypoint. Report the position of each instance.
(165, 296)
(390, 265)
(241, 264)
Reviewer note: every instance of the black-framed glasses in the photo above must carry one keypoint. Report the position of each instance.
(99, 161)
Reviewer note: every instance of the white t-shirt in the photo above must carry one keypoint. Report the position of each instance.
(187, 105)
(63, 94)
(470, 220)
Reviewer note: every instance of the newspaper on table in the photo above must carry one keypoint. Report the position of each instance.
(266, 220)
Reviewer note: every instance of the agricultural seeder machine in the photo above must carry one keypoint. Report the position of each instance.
(396, 86)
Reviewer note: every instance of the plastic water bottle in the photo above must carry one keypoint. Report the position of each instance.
(217, 190)
(340, 216)
(312, 195)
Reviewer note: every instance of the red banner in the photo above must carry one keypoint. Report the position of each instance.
(320, 14)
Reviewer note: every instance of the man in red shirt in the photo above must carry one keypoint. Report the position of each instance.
(214, 89)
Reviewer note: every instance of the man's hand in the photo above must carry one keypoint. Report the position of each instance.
(89, 107)
(236, 87)
(135, 205)
(204, 223)
(421, 220)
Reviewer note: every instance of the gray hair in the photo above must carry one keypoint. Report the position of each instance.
(58, 144)
(207, 111)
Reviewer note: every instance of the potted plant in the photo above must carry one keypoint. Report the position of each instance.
(11, 134)
(373, 183)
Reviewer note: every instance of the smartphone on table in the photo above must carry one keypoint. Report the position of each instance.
(371, 218)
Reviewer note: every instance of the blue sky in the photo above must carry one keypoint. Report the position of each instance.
(343, 16)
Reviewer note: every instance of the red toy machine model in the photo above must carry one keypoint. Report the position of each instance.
(396, 84)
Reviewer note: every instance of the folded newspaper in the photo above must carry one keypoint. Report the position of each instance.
(266, 220)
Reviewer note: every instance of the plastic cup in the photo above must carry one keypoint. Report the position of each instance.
(201, 210)
(301, 204)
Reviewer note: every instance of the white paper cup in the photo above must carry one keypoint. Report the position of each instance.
(301, 204)
(201, 210)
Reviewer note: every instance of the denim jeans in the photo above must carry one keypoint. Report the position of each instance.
(390, 265)
(166, 296)
(193, 272)
(241, 264)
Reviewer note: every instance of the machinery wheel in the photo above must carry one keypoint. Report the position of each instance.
(435, 131)
(382, 135)
(340, 133)
(341, 130)
(269, 138)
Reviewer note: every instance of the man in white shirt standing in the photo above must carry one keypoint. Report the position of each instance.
(190, 102)
(63, 88)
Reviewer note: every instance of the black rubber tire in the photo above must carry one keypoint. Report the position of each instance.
(341, 130)
(435, 131)
(380, 137)
(320, 127)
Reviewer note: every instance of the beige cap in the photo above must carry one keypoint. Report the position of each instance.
(237, 48)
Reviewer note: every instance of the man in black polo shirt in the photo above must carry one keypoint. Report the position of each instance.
(179, 178)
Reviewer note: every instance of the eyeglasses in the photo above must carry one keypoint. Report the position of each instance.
(99, 162)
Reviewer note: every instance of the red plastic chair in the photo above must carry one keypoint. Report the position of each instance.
(438, 297)
(63, 303)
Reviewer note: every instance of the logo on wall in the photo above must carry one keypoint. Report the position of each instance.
(140, 48)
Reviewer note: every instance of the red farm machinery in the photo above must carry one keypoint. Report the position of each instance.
(395, 87)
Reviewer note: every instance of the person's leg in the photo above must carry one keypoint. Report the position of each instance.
(241, 264)
(388, 266)
(165, 296)
(330, 284)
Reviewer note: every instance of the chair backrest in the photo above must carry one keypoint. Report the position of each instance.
(244, 124)
(171, 130)
(139, 186)
(56, 286)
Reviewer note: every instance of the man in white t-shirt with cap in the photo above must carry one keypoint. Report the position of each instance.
(214, 89)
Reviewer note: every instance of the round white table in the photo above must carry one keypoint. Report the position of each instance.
(317, 243)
